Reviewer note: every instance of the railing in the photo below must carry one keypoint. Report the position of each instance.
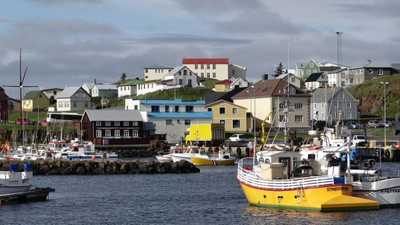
(247, 176)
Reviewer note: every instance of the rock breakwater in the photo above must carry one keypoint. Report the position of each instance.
(89, 167)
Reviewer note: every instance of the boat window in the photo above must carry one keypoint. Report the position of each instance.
(311, 156)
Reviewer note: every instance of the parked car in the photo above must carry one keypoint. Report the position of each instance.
(374, 124)
(353, 125)
(237, 138)
(43, 122)
(387, 124)
(24, 121)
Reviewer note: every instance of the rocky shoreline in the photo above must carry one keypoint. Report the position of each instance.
(89, 167)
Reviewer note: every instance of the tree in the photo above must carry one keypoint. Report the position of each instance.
(279, 70)
(123, 77)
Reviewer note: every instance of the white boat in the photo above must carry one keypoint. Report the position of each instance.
(185, 155)
(13, 181)
(83, 150)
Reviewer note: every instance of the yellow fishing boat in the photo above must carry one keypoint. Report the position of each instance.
(224, 158)
(273, 179)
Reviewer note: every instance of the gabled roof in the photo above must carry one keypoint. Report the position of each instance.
(285, 75)
(133, 82)
(313, 77)
(227, 81)
(223, 101)
(68, 92)
(171, 74)
(215, 96)
(113, 115)
(326, 94)
(106, 87)
(205, 61)
(31, 95)
(89, 85)
(159, 66)
(269, 88)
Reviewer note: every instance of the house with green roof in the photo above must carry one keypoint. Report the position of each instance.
(35, 100)
(128, 88)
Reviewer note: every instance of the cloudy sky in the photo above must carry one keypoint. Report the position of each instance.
(69, 42)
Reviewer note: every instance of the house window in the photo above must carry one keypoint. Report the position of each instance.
(155, 108)
(117, 133)
(281, 105)
(184, 72)
(126, 123)
(214, 75)
(76, 95)
(322, 105)
(342, 74)
(348, 104)
(196, 66)
(187, 122)
(208, 75)
(281, 118)
(83, 95)
(116, 123)
(209, 109)
(74, 104)
(107, 123)
(308, 72)
(126, 133)
(293, 79)
(135, 123)
(222, 121)
(135, 107)
(189, 108)
(298, 105)
(336, 104)
(167, 108)
(323, 116)
(222, 110)
(311, 64)
(108, 133)
(315, 105)
(236, 123)
(233, 72)
(180, 82)
(202, 75)
(214, 66)
(168, 122)
(234, 110)
(98, 133)
(177, 108)
(202, 66)
(135, 133)
(380, 72)
(208, 66)
(371, 71)
(298, 118)
(98, 123)
(86, 104)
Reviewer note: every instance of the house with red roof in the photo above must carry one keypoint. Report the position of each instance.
(215, 68)
(230, 84)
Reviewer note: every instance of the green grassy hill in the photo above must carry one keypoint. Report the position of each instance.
(370, 94)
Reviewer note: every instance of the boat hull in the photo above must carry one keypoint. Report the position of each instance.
(164, 158)
(386, 192)
(13, 189)
(330, 198)
(200, 161)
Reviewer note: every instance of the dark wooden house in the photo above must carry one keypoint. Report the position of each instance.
(3, 106)
(116, 127)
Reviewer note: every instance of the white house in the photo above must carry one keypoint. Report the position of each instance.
(104, 90)
(216, 68)
(316, 80)
(89, 86)
(178, 77)
(156, 72)
(291, 78)
(128, 88)
(73, 99)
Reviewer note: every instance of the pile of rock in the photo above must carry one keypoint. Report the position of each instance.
(89, 167)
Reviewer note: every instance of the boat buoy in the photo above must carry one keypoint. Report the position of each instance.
(93, 157)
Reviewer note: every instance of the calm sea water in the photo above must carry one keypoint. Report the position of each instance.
(212, 196)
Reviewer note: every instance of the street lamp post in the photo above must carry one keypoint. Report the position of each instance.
(254, 127)
(384, 111)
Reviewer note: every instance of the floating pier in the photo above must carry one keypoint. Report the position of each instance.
(37, 194)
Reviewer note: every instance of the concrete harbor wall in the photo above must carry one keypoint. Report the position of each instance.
(89, 167)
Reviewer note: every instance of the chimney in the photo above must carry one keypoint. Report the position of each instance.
(265, 76)
(94, 81)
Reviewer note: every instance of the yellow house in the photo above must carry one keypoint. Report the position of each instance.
(229, 84)
(35, 100)
(232, 115)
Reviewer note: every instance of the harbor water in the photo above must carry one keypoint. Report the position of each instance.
(212, 196)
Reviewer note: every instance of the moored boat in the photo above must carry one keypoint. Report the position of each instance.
(224, 158)
(273, 180)
(12, 181)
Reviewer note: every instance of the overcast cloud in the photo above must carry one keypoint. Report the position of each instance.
(67, 43)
